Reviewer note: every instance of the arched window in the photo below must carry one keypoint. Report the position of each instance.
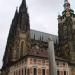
(21, 48)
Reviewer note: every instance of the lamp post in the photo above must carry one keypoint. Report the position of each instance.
(51, 54)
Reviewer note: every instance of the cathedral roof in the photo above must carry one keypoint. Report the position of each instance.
(43, 35)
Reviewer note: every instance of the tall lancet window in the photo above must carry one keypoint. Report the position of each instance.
(21, 48)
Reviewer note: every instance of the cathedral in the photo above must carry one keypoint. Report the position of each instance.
(26, 51)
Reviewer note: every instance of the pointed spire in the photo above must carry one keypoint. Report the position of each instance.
(23, 6)
(24, 2)
(16, 11)
(16, 14)
(66, 4)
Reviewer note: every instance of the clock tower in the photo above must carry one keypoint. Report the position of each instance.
(66, 32)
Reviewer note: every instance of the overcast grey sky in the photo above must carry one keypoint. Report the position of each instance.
(43, 17)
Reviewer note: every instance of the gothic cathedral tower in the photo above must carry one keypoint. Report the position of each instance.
(66, 32)
(18, 42)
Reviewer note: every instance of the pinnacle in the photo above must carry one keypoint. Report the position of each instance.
(23, 2)
(23, 5)
(16, 9)
(16, 12)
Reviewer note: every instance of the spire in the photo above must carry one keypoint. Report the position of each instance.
(66, 4)
(16, 9)
(23, 6)
(24, 2)
(16, 14)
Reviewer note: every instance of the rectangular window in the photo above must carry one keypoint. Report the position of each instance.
(64, 72)
(35, 71)
(25, 71)
(57, 72)
(43, 71)
(22, 71)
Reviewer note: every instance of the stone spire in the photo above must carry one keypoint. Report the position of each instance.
(23, 17)
(23, 7)
(16, 15)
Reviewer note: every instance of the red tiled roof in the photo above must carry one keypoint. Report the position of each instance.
(35, 52)
(43, 53)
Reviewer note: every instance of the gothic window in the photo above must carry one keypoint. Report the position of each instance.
(22, 48)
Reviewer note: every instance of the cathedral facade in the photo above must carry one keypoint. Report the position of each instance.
(26, 51)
